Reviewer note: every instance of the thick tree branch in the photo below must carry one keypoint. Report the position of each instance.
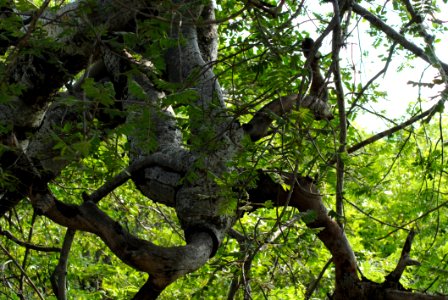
(216, 135)
(186, 65)
(208, 33)
(163, 264)
(340, 164)
(36, 159)
(305, 197)
(159, 170)
(10, 199)
(41, 74)
(171, 162)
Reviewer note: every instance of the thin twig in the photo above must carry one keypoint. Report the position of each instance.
(312, 287)
(418, 218)
(121, 178)
(391, 131)
(27, 250)
(22, 271)
(337, 43)
(372, 217)
(366, 86)
(59, 276)
(397, 156)
(11, 237)
(393, 34)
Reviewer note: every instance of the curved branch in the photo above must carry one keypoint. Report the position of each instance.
(258, 126)
(163, 264)
(41, 74)
(9, 235)
(393, 278)
(305, 197)
(77, 50)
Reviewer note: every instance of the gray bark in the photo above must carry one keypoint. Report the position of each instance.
(32, 118)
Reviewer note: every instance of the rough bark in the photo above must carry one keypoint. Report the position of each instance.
(41, 75)
(164, 264)
(33, 116)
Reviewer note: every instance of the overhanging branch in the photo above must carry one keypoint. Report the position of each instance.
(10, 236)
(305, 197)
(43, 73)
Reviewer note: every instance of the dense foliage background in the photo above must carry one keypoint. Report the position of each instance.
(391, 185)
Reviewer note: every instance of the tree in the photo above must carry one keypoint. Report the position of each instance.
(101, 99)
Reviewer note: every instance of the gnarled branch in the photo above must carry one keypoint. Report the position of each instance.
(163, 264)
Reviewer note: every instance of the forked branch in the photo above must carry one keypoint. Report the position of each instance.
(392, 280)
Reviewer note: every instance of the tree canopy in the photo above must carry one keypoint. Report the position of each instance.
(252, 149)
